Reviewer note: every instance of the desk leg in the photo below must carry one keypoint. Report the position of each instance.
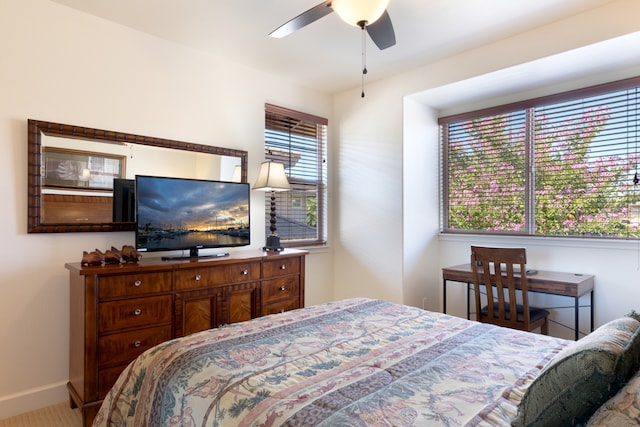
(577, 320)
(591, 304)
(444, 296)
(468, 311)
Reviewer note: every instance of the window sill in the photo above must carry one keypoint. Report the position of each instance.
(568, 242)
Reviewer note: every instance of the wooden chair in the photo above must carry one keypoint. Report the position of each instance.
(501, 309)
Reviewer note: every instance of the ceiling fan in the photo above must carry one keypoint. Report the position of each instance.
(369, 15)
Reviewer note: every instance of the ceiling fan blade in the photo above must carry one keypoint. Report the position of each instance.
(381, 32)
(303, 19)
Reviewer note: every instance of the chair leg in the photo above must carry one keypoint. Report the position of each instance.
(544, 329)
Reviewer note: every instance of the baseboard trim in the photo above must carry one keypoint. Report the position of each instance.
(32, 399)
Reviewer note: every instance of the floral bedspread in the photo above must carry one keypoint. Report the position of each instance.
(356, 362)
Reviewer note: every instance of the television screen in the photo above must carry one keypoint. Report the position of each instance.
(190, 214)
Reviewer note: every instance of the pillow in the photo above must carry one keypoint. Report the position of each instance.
(621, 410)
(583, 376)
(629, 362)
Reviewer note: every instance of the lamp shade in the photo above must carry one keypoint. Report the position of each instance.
(354, 11)
(271, 177)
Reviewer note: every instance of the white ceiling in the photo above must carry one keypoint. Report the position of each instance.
(326, 55)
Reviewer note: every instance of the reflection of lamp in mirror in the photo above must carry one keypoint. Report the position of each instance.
(237, 174)
(272, 178)
(85, 174)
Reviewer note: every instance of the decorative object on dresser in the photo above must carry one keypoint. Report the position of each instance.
(111, 256)
(119, 311)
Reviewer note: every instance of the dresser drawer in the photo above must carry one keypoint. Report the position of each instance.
(281, 288)
(280, 306)
(203, 277)
(126, 346)
(133, 284)
(134, 312)
(281, 267)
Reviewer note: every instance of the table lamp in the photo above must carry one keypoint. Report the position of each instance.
(272, 178)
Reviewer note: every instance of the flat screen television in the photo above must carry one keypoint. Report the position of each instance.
(190, 214)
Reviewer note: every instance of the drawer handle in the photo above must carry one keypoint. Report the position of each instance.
(283, 267)
(282, 288)
(137, 312)
(137, 344)
(137, 283)
(198, 277)
(245, 272)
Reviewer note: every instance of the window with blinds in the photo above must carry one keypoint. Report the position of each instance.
(298, 140)
(562, 165)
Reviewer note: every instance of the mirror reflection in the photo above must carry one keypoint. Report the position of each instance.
(82, 179)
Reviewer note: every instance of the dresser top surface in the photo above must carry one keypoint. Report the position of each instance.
(157, 263)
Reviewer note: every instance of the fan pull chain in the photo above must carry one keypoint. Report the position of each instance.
(364, 54)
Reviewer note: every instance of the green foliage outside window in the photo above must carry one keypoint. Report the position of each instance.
(577, 187)
(312, 216)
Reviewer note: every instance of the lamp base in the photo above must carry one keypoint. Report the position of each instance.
(273, 244)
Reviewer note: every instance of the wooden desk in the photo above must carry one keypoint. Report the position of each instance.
(546, 282)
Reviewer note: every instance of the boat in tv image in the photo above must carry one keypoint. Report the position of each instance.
(190, 214)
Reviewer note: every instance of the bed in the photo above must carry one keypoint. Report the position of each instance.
(366, 362)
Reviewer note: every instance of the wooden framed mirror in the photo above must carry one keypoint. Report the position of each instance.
(73, 172)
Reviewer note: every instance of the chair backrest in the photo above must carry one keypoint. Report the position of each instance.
(500, 265)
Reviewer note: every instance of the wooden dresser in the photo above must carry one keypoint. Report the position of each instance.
(119, 311)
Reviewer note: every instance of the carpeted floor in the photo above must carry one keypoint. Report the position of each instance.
(60, 415)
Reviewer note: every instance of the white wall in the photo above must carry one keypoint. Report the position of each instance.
(421, 213)
(368, 184)
(387, 171)
(64, 66)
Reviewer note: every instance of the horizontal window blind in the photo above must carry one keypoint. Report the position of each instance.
(298, 141)
(487, 173)
(585, 161)
(564, 165)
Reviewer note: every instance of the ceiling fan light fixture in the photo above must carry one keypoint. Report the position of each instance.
(353, 12)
